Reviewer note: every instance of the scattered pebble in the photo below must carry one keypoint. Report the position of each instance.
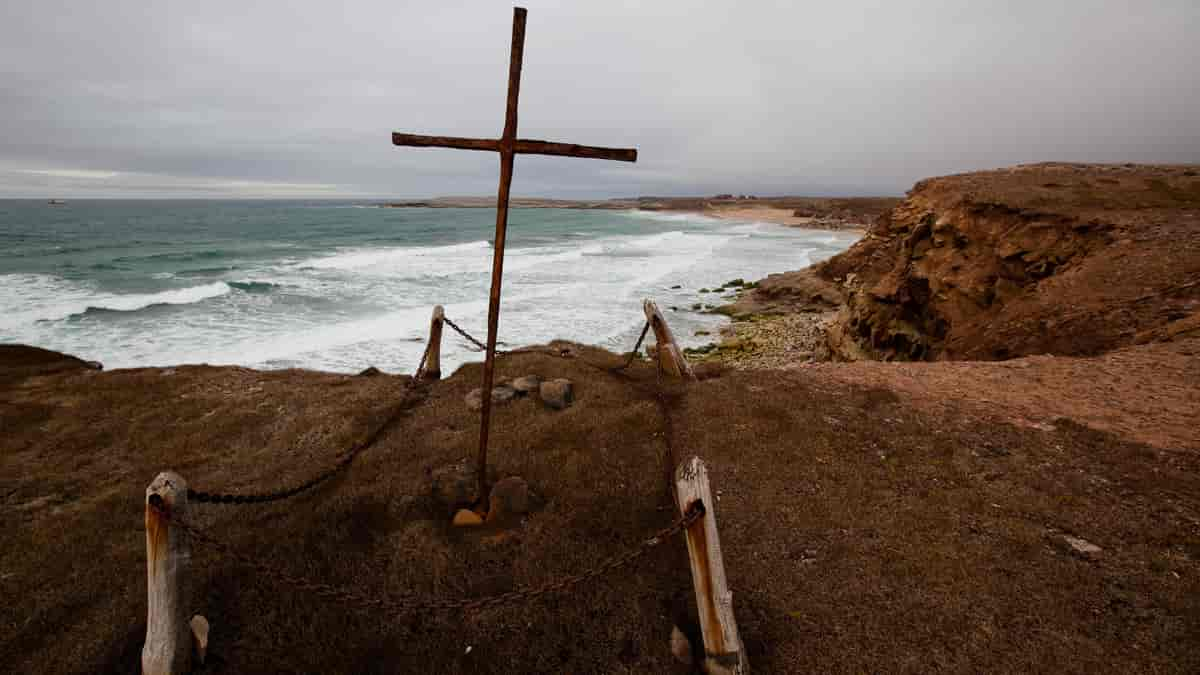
(681, 647)
(467, 518)
(1081, 546)
(500, 394)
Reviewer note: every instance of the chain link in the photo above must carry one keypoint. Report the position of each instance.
(482, 347)
(633, 354)
(410, 604)
(407, 605)
(341, 465)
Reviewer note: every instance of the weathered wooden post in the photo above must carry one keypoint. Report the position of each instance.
(669, 354)
(433, 363)
(723, 650)
(168, 647)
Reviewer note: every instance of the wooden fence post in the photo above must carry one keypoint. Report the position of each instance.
(433, 363)
(723, 650)
(168, 647)
(669, 354)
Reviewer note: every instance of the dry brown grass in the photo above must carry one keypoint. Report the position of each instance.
(862, 531)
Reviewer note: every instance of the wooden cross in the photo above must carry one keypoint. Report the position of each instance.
(508, 145)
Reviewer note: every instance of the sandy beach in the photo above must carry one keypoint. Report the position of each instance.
(782, 216)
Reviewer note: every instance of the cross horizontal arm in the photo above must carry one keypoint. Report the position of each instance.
(571, 150)
(520, 146)
(446, 142)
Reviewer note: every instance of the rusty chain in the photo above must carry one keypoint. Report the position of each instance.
(376, 603)
(404, 605)
(482, 347)
(633, 354)
(349, 457)
(341, 465)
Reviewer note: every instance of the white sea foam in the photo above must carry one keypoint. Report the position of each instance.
(672, 217)
(369, 305)
(399, 256)
(42, 297)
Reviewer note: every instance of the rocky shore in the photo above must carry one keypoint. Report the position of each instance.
(1049, 258)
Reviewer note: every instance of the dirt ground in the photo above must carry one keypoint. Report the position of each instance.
(907, 518)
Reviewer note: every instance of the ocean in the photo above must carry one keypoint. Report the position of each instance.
(340, 286)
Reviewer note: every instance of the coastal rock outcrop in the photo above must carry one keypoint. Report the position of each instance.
(1047, 258)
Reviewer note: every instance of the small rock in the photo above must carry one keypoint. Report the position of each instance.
(370, 372)
(500, 394)
(503, 393)
(199, 626)
(509, 496)
(557, 394)
(732, 345)
(681, 647)
(467, 518)
(527, 384)
(453, 485)
(676, 286)
(94, 365)
(1081, 546)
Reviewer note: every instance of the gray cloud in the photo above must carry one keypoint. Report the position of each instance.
(285, 99)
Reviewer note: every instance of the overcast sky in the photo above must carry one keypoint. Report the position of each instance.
(214, 98)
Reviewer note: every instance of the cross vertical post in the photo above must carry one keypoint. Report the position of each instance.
(508, 145)
(507, 154)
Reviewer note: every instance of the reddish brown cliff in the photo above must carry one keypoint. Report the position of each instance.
(1048, 258)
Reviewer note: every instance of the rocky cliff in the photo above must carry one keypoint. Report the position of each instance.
(1049, 258)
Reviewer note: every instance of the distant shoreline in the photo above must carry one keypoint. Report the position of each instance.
(852, 214)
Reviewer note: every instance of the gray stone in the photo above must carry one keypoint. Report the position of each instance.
(454, 485)
(501, 394)
(527, 384)
(509, 497)
(557, 394)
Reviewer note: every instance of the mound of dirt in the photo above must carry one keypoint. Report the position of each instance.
(1048, 258)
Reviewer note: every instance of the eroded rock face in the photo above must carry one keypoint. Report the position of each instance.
(1029, 260)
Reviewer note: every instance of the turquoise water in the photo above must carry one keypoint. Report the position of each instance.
(340, 286)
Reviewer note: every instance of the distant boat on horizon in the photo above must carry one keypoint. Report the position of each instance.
(56, 202)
